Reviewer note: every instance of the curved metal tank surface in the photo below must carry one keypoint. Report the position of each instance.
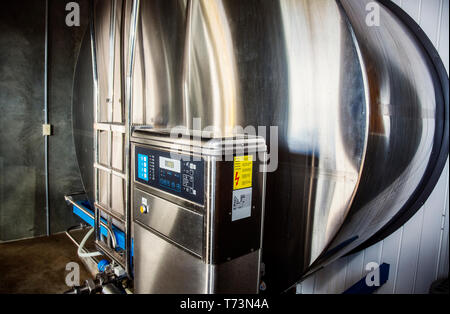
(405, 125)
(244, 66)
(360, 113)
(83, 116)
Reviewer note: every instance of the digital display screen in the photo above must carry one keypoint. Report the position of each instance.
(169, 164)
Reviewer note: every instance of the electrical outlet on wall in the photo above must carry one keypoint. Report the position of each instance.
(46, 129)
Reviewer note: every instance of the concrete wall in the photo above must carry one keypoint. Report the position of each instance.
(417, 252)
(22, 191)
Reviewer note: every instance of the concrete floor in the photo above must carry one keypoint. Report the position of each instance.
(38, 265)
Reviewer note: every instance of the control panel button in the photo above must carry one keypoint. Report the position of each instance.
(143, 209)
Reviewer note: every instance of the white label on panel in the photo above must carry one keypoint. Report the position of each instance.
(242, 204)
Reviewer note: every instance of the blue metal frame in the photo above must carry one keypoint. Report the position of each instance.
(120, 235)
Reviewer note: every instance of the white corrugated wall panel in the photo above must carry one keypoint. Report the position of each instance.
(391, 256)
(430, 240)
(443, 262)
(355, 269)
(408, 257)
(443, 45)
(418, 253)
(331, 278)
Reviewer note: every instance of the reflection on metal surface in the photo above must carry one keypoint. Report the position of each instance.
(82, 117)
(402, 119)
(326, 113)
(356, 109)
(158, 66)
(212, 77)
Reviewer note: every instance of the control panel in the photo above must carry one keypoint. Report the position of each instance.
(176, 174)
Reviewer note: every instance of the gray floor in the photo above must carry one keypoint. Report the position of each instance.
(38, 265)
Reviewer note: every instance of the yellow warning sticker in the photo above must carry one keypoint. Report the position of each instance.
(243, 169)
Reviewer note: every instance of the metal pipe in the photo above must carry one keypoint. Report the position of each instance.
(127, 96)
(78, 227)
(69, 199)
(96, 115)
(110, 101)
(47, 204)
(187, 67)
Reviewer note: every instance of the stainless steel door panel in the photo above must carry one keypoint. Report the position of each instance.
(165, 268)
(237, 276)
(180, 225)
